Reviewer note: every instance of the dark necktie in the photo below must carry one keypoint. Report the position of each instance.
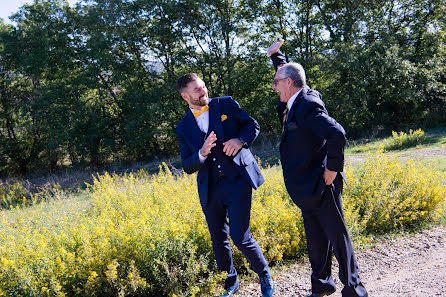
(284, 118)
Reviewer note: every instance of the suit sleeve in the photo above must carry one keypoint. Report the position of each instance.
(189, 159)
(249, 128)
(324, 126)
(278, 59)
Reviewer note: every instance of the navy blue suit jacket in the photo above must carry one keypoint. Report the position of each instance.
(311, 141)
(228, 121)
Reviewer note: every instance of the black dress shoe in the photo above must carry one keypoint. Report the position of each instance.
(322, 294)
(231, 290)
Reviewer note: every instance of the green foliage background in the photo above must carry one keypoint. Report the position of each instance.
(95, 83)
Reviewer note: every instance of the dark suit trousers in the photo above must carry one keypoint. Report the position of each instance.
(231, 199)
(326, 233)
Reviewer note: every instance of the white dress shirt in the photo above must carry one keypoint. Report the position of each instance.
(202, 120)
(292, 99)
(203, 123)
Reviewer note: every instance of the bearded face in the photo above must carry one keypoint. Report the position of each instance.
(196, 94)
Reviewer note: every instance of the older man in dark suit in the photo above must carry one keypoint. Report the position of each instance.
(312, 157)
(214, 137)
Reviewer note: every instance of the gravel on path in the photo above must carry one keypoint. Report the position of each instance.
(409, 265)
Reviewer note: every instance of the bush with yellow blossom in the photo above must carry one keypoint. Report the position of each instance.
(142, 235)
(385, 194)
(131, 235)
(404, 140)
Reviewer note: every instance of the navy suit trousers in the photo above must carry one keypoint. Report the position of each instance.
(231, 199)
(326, 233)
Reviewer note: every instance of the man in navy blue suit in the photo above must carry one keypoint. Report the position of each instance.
(312, 157)
(214, 137)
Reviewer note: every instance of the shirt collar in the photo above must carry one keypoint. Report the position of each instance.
(292, 99)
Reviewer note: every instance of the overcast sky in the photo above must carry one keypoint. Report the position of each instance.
(8, 7)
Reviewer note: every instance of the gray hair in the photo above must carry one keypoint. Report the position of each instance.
(296, 72)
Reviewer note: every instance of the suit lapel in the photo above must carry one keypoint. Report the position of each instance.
(215, 119)
(291, 113)
(194, 133)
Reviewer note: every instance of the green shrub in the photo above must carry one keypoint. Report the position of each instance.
(385, 194)
(142, 235)
(403, 140)
(17, 193)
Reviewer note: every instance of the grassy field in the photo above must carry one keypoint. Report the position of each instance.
(430, 149)
(140, 234)
(434, 138)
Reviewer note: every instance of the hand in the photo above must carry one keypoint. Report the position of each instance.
(232, 146)
(329, 176)
(208, 144)
(274, 48)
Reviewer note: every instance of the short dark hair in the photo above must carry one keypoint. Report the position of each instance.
(184, 80)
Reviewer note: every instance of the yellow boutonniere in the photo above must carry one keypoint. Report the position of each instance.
(223, 117)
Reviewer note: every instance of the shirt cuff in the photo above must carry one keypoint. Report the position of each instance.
(201, 157)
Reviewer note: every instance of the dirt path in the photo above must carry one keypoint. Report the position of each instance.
(411, 265)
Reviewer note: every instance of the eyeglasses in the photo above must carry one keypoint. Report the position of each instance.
(276, 81)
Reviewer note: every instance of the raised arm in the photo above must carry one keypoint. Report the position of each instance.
(276, 55)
